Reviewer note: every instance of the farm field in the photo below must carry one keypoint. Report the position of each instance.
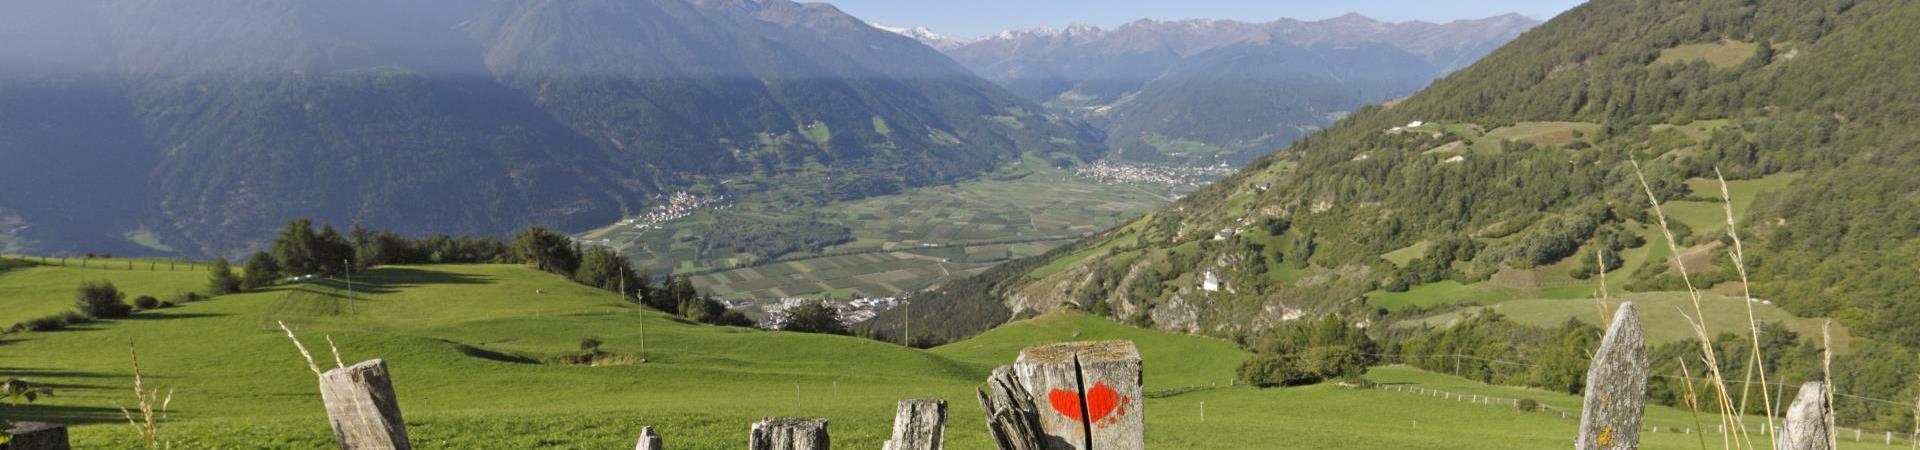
(898, 243)
(472, 350)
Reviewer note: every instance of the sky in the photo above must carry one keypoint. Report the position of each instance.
(966, 18)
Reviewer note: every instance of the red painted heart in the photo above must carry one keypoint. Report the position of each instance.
(1101, 402)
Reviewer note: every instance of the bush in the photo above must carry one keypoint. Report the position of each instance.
(54, 322)
(49, 323)
(146, 302)
(1527, 405)
(101, 301)
(186, 297)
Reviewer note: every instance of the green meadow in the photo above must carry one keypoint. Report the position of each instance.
(474, 351)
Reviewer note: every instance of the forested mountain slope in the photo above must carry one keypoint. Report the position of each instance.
(1519, 174)
(200, 125)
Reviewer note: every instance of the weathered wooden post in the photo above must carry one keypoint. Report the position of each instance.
(1616, 392)
(361, 405)
(1806, 424)
(648, 440)
(789, 434)
(37, 436)
(362, 408)
(1012, 419)
(919, 424)
(1092, 391)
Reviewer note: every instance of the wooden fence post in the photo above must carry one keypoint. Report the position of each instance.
(1012, 419)
(1092, 391)
(362, 408)
(1616, 393)
(38, 436)
(789, 434)
(919, 424)
(1806, 423)
(648, 440)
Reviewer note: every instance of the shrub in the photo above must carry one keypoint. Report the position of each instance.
(186, 297)
(49, 323)
(1527, 405)
(590, 344)
(101, 301)
(146, 302)
(54, 322)
(732, 318)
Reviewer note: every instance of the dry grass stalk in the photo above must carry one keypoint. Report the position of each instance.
(336, 353)
(1757, 364)
(303, 349)
(148, 425)
(1826, 368)
(1697, 320)
(1693, 402)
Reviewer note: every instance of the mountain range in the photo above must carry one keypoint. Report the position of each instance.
(1208, 91)
(1528, 174)
(195, 127)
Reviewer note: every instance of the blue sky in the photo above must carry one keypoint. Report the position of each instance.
(978, 17)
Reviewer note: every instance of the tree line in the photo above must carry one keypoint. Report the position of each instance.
(301, 250)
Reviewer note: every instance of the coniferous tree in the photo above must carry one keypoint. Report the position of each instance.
(223, 281)
(297, 248)
(262, 270)
(546, 249)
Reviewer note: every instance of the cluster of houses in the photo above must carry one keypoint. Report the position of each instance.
(852, 311)
(678, 205)
(1176, 176)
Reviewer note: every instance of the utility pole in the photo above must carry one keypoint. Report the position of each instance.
(906, 334)
(641, 311)
(348, 265)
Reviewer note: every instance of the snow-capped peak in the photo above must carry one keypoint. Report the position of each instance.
(925, 36)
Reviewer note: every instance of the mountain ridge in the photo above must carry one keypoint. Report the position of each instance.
(437, 116)
(1098, 74)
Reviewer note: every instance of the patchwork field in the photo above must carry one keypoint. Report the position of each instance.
(474, 350)
(899, 243)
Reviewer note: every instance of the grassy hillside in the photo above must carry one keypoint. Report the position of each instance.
(37, 291)
(472, 349)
